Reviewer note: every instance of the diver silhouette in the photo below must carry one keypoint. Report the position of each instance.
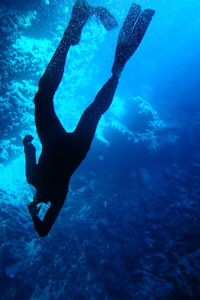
(62, 152)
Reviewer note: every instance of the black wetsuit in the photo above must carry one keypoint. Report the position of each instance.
(62, 152)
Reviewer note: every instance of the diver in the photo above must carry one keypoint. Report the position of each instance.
(62, 152)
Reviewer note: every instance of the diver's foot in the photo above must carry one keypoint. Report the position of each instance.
(80, 14)
(131, 34)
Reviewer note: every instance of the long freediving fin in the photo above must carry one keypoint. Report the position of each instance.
(106, 18)
(131, 35)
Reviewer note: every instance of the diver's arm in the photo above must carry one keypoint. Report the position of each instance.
(43, 227)
(30, 157)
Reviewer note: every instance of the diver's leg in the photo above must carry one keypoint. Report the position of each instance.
(80, 13)
(87, 125)
(55, 69)
(131, 34)
(48, 126)
(47, 123)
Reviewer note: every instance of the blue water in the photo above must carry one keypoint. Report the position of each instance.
(129, 229)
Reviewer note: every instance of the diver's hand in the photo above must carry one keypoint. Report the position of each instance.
(28, 146)
(27, 139)
(33, 209)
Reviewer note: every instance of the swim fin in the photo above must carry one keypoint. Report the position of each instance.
(140, 28)
(106, 18)
(128, 24)
(80, 14)
(130, 36)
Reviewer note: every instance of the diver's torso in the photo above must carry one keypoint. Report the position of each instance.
(55, 168)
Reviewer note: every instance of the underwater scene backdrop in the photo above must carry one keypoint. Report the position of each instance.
(130, 228)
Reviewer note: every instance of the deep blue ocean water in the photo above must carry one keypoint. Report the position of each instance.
(129, 229)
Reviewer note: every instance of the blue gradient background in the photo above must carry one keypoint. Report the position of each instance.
(129, 229)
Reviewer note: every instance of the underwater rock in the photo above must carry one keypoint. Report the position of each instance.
(13, 93)
(139, 123)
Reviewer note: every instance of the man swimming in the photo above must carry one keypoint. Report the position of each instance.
(62, 152)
